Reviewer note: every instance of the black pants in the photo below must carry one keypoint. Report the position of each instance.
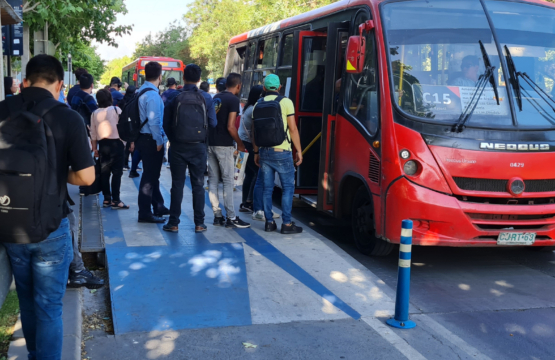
(111, 163)
(183, 156)
(126, 154)
(251, 173)
(149, 189)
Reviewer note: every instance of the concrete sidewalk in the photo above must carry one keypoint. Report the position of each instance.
(202, 296)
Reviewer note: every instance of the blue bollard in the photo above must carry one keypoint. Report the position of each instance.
(401, 318)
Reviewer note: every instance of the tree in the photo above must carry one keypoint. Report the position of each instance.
(113, 68)
(212, 25)
(87, 58)
(71, 23)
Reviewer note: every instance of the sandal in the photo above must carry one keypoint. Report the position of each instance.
(119, 205)
(106, 204)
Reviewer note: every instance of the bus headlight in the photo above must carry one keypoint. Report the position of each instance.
(411, 167)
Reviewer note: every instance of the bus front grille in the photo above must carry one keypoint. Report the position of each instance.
(495, 185)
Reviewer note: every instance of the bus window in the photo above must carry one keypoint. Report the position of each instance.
(270, 53)
(287, 51)
(285, 81)
(313, 73)
(235, 60)
(259, 54)
(252, 55)
(246, 84)
(361, 94)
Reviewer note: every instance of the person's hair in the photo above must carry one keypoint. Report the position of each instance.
(232, 80)
(8, 83)
(44, 67)
(220, 84)
(205, 86)
(254, 95)
(130, 91)
(469, 61)
(115, 81)
(192, 73)
(152, 71)
(104, 98)
(86, 81)
(78, 72)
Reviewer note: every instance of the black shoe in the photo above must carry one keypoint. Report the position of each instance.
(164, 212)
(170, 228)
(219, 221)
(153, 219)
(246, 207)
(200, 228)
(270, 226)
(84, 278)
(291, 229)
(134, 174)
(237, 223)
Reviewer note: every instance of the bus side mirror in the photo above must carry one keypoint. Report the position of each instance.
(135, 77)
(356, 48)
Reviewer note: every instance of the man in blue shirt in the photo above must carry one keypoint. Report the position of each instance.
(75, 89)
(190, 155)
(150, 145)
(115, 87)
(171, 84)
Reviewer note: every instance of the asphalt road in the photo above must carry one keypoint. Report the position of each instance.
(498, 300)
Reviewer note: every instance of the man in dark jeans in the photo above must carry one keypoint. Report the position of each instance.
(150, 145)
(191, 155)
(41, 269)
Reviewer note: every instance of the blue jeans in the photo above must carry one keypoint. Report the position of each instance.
(258, 193)
(40, 271)
(272, 162)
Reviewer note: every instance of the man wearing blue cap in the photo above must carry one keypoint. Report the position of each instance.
(278, 159)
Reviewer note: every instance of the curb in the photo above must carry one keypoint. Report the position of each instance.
(72, 319)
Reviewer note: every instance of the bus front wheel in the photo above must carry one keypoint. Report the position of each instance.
(363, 226)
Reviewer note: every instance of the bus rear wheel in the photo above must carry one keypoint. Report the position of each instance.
(362, 216)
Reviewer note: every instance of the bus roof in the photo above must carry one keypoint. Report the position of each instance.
(152, 58)
(323, 11)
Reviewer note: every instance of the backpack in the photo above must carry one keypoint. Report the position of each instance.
(29, 196)
(84, 111)
(190, 124)
(268, 123)
(130, 123)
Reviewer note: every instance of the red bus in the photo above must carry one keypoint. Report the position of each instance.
(439, 111)
(134, 73)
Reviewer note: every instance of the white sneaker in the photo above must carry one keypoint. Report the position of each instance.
(259, 215)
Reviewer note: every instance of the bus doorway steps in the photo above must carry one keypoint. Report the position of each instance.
(91, 234)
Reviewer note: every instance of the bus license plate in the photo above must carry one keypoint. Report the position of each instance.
(512, 238)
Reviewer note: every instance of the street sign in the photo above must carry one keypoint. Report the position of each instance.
(16, 33)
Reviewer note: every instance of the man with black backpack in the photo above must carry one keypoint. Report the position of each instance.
(43, 146)
(82, 101)
(187, 116)
(274, 129)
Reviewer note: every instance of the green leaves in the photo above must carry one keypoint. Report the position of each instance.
(113, 68)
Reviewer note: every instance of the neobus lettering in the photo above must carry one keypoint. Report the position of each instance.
(518, 147)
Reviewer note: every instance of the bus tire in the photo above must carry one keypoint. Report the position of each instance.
(362, 220)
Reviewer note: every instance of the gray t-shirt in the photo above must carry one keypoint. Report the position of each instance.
(246, 125)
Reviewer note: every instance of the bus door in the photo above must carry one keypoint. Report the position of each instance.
(309, 68)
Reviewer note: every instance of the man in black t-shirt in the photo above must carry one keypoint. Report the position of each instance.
(220, 152)
(41, 269)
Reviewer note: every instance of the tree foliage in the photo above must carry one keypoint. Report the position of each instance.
(72, 23)
(87, 58)
(214, 22)
(113, 68)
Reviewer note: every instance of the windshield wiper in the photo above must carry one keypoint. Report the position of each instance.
(514, 77)
(481, 84)
(516, 83)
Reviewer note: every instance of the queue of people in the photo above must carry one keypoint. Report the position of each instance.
(202, 132)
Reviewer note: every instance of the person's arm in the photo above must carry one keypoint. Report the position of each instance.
(295, 138)
(210, 111)
(233, 131)
(94, 134)
(168, 116)
(154, 118)
(255, 147)
(84, 177)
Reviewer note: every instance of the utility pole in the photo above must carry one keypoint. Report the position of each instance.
(25, 56)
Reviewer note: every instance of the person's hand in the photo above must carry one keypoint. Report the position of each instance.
(159, 147)
(241, 147)
(132, 147)
(257, 159)
(299, 158)
(96, 154)
(236, 153)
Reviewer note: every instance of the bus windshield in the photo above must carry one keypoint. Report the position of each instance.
(528, 33)
(436, 61)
